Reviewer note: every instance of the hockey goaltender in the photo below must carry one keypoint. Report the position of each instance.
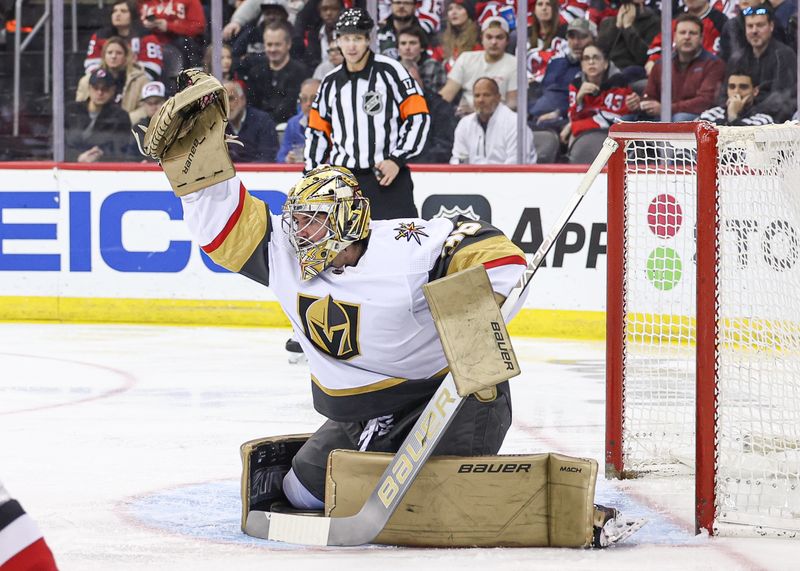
(383, 311)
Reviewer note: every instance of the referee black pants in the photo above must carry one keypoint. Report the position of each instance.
(388, 202)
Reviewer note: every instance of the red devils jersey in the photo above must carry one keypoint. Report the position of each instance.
(713, 21)
(146, 47)
(601, 110)
(184, 17)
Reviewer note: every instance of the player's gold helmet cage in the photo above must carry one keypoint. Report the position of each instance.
(330, 195)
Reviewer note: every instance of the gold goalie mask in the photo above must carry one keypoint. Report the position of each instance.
(324, 213)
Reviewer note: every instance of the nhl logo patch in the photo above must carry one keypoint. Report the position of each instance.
(372, 102)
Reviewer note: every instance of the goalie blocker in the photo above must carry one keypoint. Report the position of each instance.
(537, 500)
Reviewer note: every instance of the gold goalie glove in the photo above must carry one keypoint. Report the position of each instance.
(187, 136)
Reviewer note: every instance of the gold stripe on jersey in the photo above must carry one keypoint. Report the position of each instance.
(245, 235)
(481, 252)
(371, 388)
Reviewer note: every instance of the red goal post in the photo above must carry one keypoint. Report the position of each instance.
(703, 340)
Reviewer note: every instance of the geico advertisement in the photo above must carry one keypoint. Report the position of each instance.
(77, 233)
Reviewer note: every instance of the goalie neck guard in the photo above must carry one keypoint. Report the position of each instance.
(324, 213)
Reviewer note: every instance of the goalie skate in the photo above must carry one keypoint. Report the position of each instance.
(611, 527)
(295, 352)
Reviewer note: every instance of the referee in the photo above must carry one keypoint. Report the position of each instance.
(369, 116)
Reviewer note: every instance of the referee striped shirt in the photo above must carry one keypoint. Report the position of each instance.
(359, 119)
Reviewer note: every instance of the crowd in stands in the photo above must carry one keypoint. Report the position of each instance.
(590, 63)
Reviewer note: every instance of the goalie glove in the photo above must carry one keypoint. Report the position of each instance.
(187, 135)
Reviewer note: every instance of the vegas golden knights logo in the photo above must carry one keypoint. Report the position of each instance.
(330, 325)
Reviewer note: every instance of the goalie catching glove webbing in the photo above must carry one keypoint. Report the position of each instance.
(187, 135)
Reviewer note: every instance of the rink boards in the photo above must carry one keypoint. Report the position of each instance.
(109, 245)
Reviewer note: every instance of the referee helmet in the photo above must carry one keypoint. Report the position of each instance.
(354, 21)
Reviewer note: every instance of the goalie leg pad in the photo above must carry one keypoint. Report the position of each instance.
(265, 462)
(472, 330)
(539, 500)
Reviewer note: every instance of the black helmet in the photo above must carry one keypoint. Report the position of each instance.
(354, 21)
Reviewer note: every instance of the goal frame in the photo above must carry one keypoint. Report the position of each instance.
(707, 350)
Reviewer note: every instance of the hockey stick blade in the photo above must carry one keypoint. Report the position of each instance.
(403, 469)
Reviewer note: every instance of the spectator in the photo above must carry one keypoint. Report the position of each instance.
(443, 123)
(128, 77)
(251, 127)
(153, 97)
(489, 135)
(785, 13)
(771, 64)
(711, 20)
(412, 46)
(274, 81)
(460, 35)
(180, 23)
(546, 25)
(125, 24)
(597, 96)
(316, 44)
(696, 75)
(738, 109)
(226, 61)
(249, 44)
(733, 39)
(401, 18)
(626, 36)
(426, 12)
(248, 11)
(549, 111)
(492, 62)
(294, 137)
(335, 59)
(547, 39)
(97, 129)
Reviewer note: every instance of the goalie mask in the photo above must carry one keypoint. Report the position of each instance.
(324, 213)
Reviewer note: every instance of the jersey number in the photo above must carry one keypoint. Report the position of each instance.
(462, 230)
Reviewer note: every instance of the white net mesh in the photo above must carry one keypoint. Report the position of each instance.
(758, 427)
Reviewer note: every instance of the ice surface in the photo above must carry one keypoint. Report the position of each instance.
(122, 442)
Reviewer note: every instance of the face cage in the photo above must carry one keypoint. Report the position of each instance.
(291, 227)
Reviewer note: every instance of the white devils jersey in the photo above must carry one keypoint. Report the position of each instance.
(369, 336)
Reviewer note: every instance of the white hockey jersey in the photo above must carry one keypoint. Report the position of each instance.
(368, 334)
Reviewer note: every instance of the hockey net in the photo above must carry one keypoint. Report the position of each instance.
(703, 345)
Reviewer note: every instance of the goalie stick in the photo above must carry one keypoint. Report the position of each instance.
(403, 469)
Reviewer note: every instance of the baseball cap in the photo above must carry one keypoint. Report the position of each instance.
(101, 78)
(277, 3)
(489, 21)
(153, 89)
(583, 26)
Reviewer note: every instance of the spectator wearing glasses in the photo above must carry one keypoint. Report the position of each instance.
(739, 109)
(597, 97)
(696, 76)
(401, 18)
(294, 137)
(734, 39)
(771, 64)
(252, 127)
(335, 59)
(97, 129)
